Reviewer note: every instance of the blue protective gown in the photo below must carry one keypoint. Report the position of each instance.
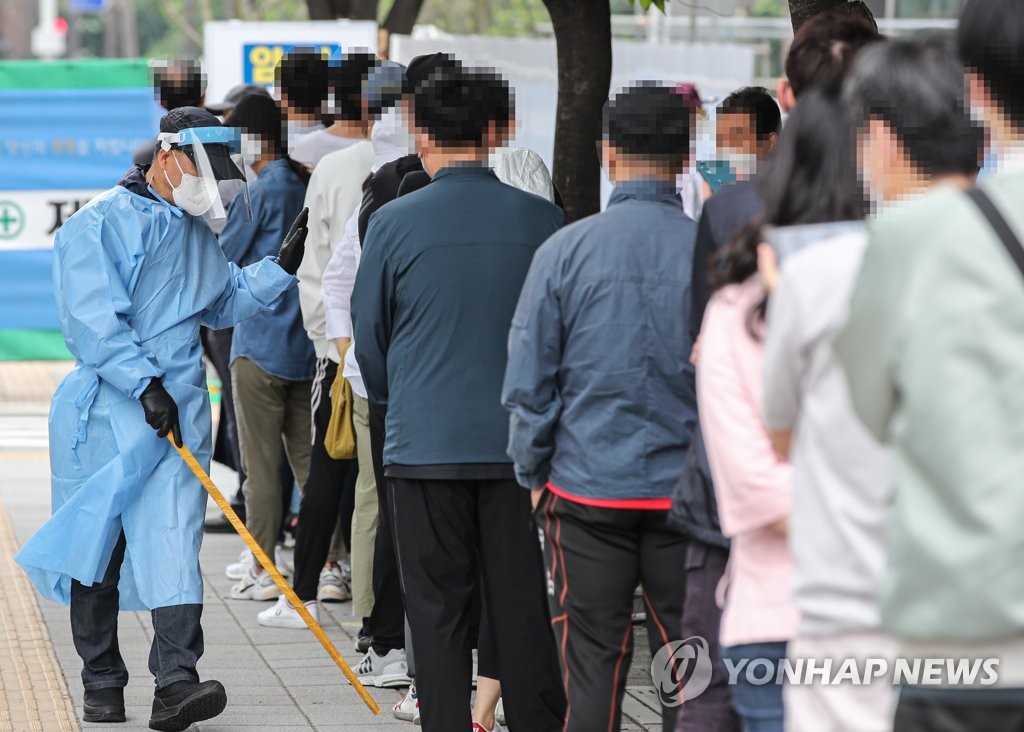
(134, 277)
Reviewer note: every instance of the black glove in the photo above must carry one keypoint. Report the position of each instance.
(294, 244)
(161, 411)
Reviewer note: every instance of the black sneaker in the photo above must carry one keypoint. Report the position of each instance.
(104, 705)
(220, 524)
(181, 704)
(363, 638)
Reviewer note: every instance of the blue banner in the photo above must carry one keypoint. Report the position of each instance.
(72, 138)
(27, 278)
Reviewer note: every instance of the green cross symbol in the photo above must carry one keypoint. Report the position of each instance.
(12, 220)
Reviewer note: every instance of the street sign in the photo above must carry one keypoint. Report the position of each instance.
(88, 6)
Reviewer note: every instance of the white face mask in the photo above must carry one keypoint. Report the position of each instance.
(252, 148)
(743, 165)
(194, 195)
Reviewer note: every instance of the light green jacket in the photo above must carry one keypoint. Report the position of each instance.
(934, 355)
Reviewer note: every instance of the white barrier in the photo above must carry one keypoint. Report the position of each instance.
(530, 66)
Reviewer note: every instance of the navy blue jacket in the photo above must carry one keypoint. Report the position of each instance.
(599, 383)
(438, 281)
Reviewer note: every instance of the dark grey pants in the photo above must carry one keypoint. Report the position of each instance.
(712, 711)
(966, 710)
(177, 634)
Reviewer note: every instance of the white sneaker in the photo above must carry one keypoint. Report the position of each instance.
(499, 712)
(334, 586)
(284, 558)
(255, 587)
(283, 615)
(240, 568)
(408, 710)
(385, 672)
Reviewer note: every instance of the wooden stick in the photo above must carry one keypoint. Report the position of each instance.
(270, 567)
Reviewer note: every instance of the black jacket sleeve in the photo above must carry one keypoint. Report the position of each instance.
(383, 188)
(700, 288)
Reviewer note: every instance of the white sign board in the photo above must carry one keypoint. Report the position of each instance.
(242, 52)
(29, 219)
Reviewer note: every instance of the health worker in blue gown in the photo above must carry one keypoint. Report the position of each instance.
(135, 273)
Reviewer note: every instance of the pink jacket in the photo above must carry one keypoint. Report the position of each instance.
(753, 487)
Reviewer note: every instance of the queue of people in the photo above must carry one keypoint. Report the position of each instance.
(792, 422)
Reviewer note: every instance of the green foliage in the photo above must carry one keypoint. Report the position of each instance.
(646, 4)
(485, 17)
(768, 9)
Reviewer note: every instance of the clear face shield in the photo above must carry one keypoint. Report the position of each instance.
(216, 154)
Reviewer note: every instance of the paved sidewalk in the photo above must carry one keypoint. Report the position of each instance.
(276, 679)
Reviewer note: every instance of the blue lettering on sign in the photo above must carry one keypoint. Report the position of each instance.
(260, 59)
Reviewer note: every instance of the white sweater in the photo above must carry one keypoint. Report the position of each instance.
(334, 194)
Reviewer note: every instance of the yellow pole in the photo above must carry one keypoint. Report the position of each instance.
(269, 566)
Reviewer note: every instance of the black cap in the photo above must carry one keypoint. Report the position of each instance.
(421, 67)
(234, 96)
(185, 118)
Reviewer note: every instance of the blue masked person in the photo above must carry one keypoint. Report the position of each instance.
(136, 272)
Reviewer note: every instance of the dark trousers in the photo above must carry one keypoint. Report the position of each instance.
(712, 710)
(177, 634)
(595, 558)
(217, 347)
(323, 499)
(450, 534)
(387, 621)
(977, 710)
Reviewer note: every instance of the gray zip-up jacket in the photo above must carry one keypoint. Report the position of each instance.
(599, 384)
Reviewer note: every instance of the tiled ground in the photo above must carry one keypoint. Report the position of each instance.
(276, 679)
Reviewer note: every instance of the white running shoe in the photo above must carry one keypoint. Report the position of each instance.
(385, 672)
(284, 558)
(408, 710)
(239, 569)
(334, 586)
(283, 615)
(255, 587)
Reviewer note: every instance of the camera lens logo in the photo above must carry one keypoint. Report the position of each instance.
(681, 670)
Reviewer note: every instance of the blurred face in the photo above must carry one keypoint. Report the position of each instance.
(881, 164)
(175, 164)
(734, 132)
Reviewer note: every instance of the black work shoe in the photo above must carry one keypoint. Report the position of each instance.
(181, 704)
(221, 525)
(104, 705)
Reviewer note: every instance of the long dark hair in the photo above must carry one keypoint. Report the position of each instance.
(810, 178)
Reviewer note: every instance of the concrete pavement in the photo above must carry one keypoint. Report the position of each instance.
(276, 679)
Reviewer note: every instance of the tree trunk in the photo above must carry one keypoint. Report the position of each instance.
(363, 10)
(402, 17)
(804, 10)
(129, 30)
(583, 35)
(328, 9)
